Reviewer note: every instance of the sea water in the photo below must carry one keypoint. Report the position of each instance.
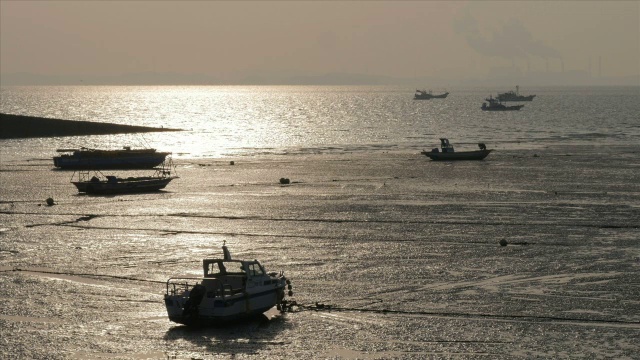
(223, 121)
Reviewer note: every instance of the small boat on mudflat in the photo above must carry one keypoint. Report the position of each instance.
(424, 95)
(95, 182)
(495, 105)
(115, 185)
(125, 158)
(448, 153)
(229, 290)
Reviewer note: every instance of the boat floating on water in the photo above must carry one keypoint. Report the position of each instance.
(495, 105)
(514, 96)
(125, 158)
(229, 290)
(424, 95)
(447, 152)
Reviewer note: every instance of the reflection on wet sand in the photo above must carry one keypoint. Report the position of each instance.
(245, 337)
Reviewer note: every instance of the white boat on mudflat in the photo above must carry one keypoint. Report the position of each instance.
(229, 290)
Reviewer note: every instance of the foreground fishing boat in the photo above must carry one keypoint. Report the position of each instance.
(125, 158)
(229, 290)
(447, 152)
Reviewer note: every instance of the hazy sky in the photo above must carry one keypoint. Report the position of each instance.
(232, 40)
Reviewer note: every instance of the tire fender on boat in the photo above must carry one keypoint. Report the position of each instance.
(192, 305)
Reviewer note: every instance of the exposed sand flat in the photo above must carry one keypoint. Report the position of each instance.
(20, 126)
(406, 250)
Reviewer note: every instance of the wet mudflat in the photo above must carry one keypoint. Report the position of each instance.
(405, 250)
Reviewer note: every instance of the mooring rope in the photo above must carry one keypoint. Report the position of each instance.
(294, 306)
(328, 307)
(16, 269)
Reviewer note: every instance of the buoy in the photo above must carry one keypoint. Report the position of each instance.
(50, 202)
(503, 242)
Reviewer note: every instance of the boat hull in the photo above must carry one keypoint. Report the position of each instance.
(218, 310)
(459, 155)
(428, 96)
(505, 98)
(122, 186)
(506, 108)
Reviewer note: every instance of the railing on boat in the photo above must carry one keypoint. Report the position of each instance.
(181, 284)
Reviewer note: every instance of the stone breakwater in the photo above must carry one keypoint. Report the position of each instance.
(20, 126)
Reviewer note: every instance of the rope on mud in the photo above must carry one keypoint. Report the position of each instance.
(85, 275)
(293, 306)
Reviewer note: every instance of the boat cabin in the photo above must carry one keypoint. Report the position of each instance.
(227, 266)
(225, 277)
(228, 277)
(214, 268)
(446, 146)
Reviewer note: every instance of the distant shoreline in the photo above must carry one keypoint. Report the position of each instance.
(21, 126)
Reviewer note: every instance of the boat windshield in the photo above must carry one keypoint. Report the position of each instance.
(222, 268)
(255, 269)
